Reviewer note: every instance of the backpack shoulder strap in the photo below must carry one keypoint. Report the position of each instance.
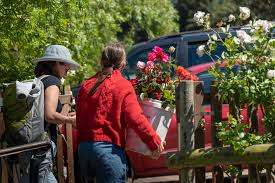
(42, 77)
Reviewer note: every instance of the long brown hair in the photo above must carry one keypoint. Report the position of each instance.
(111, 59)
(44, 68)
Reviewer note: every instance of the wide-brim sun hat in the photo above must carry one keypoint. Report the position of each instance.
(58, 53)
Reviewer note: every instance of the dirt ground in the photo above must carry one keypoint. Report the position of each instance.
(162, 179)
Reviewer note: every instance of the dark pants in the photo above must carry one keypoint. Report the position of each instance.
(103, 161)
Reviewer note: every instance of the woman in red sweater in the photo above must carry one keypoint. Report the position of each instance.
(106, 106)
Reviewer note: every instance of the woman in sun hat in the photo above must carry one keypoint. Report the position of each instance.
(55, 63)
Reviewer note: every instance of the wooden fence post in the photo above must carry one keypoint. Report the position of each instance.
(199, 129)
(3, 160)
(253, 124)
(66, 100)
(185, 119)
(60, 159)
(216, 110)
(69, 137)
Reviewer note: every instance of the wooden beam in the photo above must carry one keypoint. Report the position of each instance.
(65, 101)
(60, 160)
(216, 109)
(199, 130)
(256, 154)
(186, 127)
(4, 170)
(2, 124)
(69, 137)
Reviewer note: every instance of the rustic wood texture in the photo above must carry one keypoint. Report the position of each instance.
(66, 101)
(199, 130)
(216, 109)
(185, 118)
(2, 124)
(60, 159)
(255, 154)
(4, 170)
(253, 124)
(69, 137)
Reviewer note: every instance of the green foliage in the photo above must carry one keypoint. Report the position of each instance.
(237, 135)
(232, 171)
(262, 9)
(254, 52)
(85, 26)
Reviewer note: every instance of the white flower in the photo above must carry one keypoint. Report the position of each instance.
(236, 40)
(264, 24)
(200, 50)
(210, 42)
(71, 73)
(214, 37)
(231, 18)
(199, 17)
(242, 118)
(270, 74)
(244, 13)
(241, 135)
(141, 65)
(172, 49)
(243, 36)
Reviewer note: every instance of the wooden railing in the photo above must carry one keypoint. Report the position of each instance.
(192, 157)
(66, 101)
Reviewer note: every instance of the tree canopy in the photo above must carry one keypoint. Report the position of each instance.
(84, 26)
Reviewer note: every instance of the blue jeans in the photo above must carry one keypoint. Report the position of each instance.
(45, 174)
(103, 161)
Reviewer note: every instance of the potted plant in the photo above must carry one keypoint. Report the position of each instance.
(155, 85)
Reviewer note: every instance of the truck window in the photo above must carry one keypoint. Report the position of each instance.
(194, 59)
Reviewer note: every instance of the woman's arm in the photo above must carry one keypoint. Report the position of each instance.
(51, 102)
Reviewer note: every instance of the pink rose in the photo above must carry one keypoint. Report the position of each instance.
(165, 58)
(152, 56)
(150, 64)
(157, 50)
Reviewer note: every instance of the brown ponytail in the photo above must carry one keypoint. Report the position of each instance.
(111, 59)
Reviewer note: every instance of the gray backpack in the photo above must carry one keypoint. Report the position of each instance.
(24, 111)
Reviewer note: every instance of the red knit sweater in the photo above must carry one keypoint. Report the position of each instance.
(113, 108)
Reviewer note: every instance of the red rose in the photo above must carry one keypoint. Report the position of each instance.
(194, 78)
(159, 81)
(154, 94)
(133, 81)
